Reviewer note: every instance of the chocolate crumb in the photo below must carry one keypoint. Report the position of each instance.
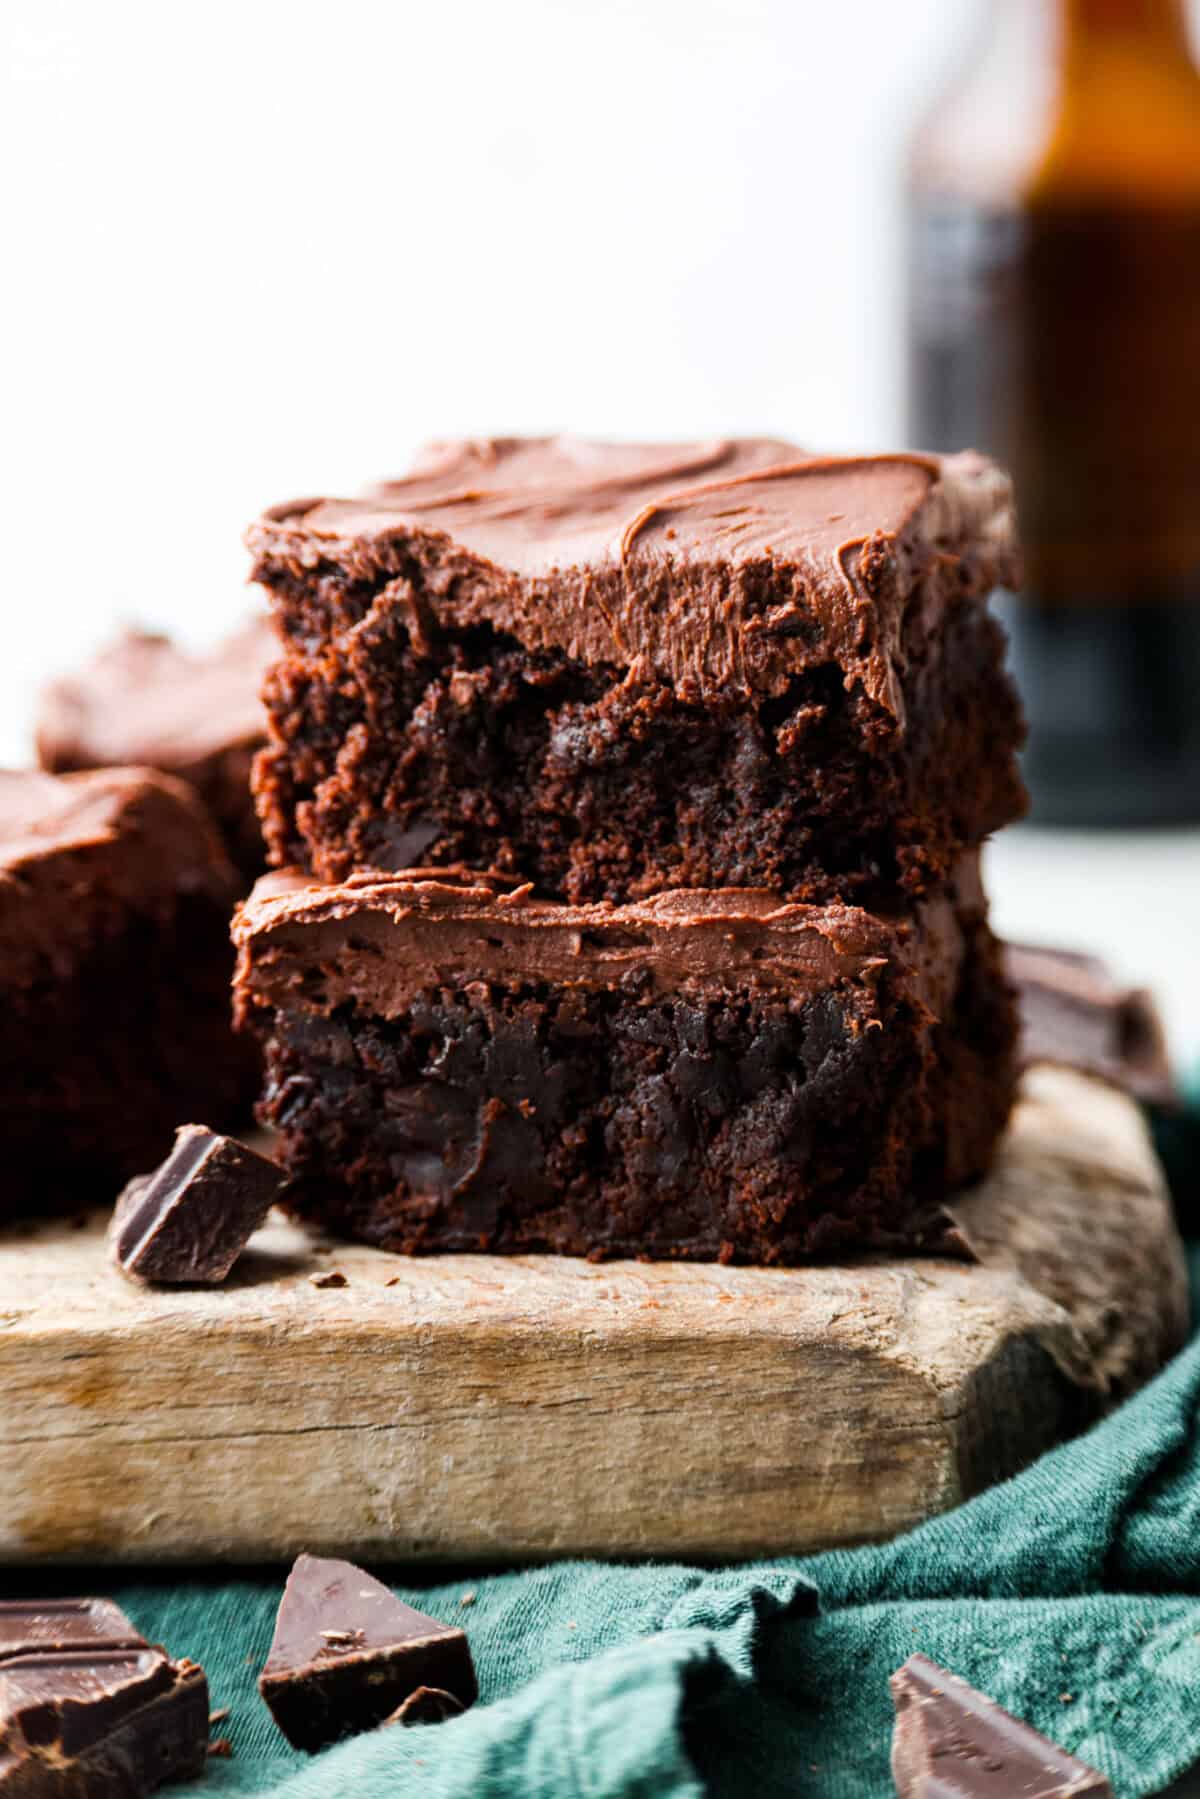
(332, 1278)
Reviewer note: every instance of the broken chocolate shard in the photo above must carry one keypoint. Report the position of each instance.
(1073, 1012)
(108, 1723)
(428, 1705)
(48, 1626)
(951, 1742)
(190, 1220)
(347, 1654)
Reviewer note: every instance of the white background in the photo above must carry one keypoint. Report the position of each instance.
(259, 249)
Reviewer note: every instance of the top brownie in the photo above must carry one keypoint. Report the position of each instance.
(618, 668)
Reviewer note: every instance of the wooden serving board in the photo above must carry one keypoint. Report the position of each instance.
(493, 1408)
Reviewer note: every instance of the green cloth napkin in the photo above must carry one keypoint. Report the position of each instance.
(1071, 1594)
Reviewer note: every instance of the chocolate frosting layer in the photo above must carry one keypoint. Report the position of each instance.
(733, 563)
(145, 700)
(379, 940)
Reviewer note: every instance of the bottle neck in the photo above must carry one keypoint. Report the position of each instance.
(1156, 24)
(1083, 99)
(1151, 30)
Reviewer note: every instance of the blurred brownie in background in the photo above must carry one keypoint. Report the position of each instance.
(456, 1066)
(145, 701)
(115, 962)
(620, 668)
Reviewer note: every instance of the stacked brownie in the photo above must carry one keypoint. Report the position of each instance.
(632, 797)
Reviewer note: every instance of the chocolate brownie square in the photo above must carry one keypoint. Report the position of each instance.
(145, 701)
(616, 669)
(701, 1074)
(115, 896)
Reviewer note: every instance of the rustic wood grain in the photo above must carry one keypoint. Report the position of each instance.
(494, 1408)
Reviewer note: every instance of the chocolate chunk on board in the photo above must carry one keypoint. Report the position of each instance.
(190, 1220)
(1074, 1012)
(100, 1723)
(347, 1654)
(951, 1742)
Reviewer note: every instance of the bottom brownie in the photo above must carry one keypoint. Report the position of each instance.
(700, 1075)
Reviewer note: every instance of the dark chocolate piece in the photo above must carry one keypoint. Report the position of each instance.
(115, 897)
(347, 1653)
(144, 700)
(428, 1705)
(100, 1723)
(700, 1075)
(617, 669)
(37, 1626)
(951, 1742)
(191, 1219)
(1073, 1011)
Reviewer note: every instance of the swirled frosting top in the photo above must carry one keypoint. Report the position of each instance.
(732, 561)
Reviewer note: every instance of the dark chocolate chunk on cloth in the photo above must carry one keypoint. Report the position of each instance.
(100, 1722)
(951, 1742)
(347, 1654)
(191, 1218)
(49, 1626)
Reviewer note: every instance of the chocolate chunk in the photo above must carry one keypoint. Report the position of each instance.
(347, 1654)
(191, 1218)
(46, 1626)
(951, 1742)
(1074, 1012)
(428, 1705)
(105, 1723)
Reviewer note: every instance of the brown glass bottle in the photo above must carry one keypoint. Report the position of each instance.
(1054, 320)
